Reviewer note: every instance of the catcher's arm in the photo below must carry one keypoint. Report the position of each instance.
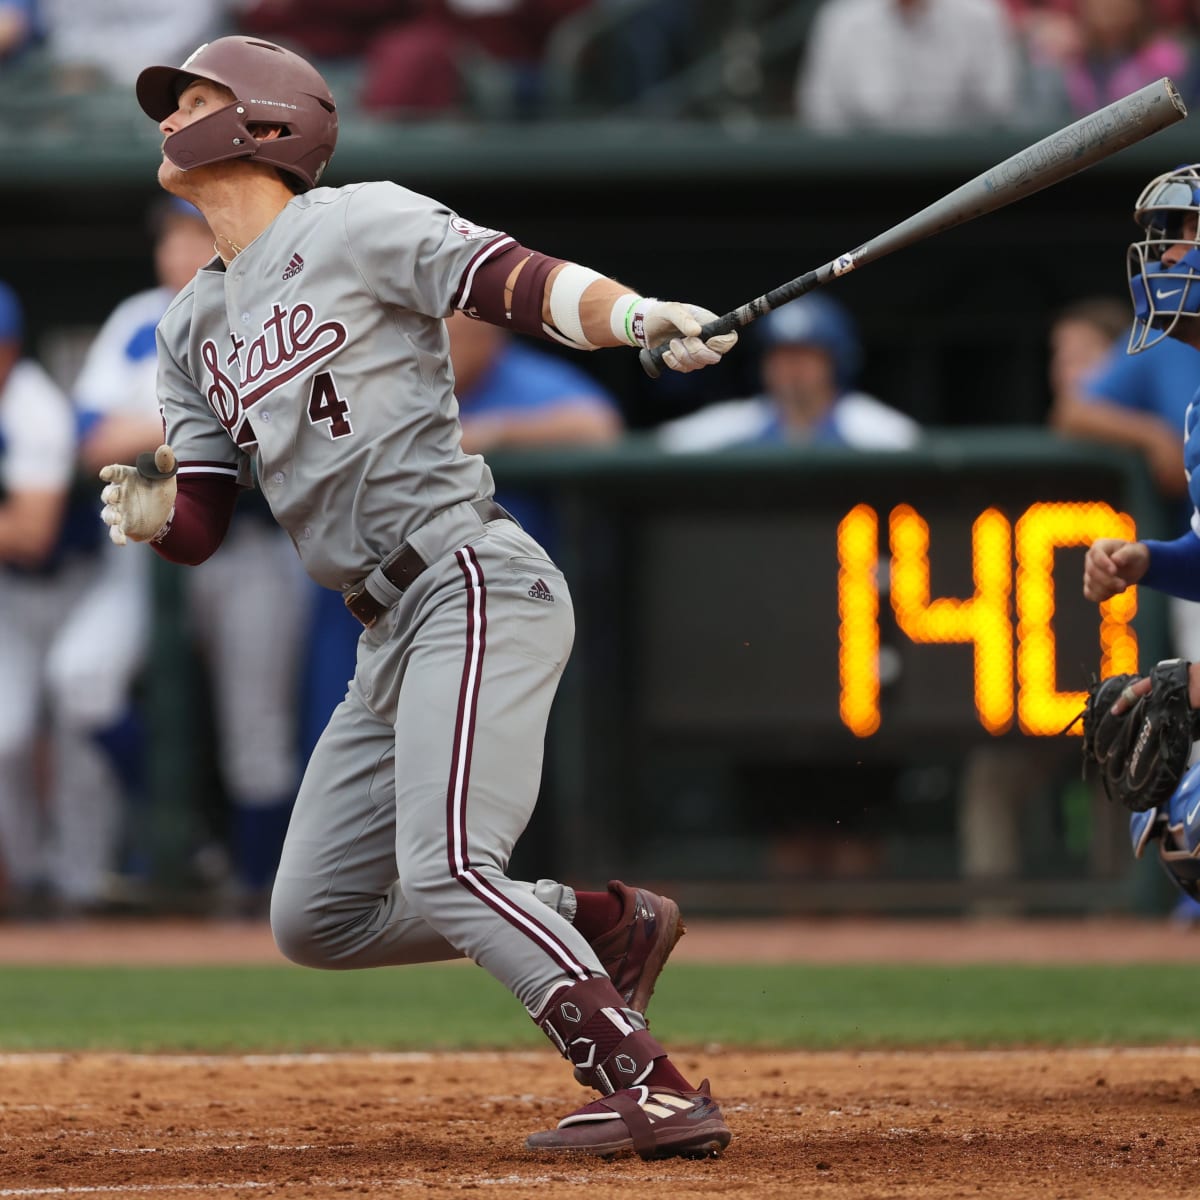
(1111, 565)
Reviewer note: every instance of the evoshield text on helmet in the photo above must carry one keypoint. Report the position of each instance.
(272, 86)
(1163, 293)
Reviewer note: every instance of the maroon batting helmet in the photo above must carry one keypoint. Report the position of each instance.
(273, 86)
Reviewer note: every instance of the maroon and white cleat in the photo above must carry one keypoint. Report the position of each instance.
(649, 1122)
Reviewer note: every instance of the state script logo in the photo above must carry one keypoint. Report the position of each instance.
(291, 343)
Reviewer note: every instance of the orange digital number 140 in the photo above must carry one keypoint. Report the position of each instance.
(1003, 599)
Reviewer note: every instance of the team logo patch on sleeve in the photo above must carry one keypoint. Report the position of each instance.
(470, 231)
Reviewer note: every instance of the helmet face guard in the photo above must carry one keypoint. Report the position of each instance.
(1167, 210)
(271, 85)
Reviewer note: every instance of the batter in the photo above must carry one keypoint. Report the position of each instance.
(315, 343)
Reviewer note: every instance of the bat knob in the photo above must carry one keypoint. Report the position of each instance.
(156, 465)
(652, 361)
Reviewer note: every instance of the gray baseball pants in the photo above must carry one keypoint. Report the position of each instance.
(428, 773)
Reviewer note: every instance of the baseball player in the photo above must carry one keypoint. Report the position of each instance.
(314, 343)
(1164, 281)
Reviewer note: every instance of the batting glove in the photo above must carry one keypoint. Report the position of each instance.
(139, 501)
(679, 325)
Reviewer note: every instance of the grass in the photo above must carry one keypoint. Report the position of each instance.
(280, 1008)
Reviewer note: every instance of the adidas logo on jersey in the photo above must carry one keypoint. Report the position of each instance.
(540, 591)
(294, 267)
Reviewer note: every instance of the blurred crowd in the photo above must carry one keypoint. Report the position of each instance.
(906, 66)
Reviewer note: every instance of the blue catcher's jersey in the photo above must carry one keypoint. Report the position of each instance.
(1191, 457)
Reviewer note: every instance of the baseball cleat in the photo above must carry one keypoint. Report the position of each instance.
(649, 1122)
(636, 949)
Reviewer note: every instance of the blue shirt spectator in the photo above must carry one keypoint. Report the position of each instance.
(20, 28)
(810, 362)
(1140, 400)
(524, 397)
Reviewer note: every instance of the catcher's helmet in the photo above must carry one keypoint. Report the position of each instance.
(273, 86)
(1163, 293)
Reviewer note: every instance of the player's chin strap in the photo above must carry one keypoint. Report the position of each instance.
(608, 1044)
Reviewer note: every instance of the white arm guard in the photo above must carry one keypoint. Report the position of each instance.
(565, 294)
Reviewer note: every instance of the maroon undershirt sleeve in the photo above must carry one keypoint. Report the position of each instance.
(483, 293)
(203, 509)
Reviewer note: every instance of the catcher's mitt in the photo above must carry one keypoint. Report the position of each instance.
(1143, 752)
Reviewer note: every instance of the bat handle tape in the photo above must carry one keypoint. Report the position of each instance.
(652, 357)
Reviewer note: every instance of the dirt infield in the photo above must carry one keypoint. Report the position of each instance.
(1075, 1125)
(827, 1126)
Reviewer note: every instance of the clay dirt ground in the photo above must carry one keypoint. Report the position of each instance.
(1073, 1124)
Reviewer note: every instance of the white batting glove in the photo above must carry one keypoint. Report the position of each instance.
(139, 501)
(667, 320)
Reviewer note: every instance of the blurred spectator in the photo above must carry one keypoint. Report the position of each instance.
(335, 37)
(1139, 401)
(422, 57)
(1115, 47)
(810, 361)
(1082, 337)
(1132, 400)
(106, 42)
(58, 811)
(319, 30)
(1188, 30)
(511, 395)
(20, 28)
(908, 66)
(430, 62)
(252, 646)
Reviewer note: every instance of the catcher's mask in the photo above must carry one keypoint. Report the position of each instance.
(272, 86)
(1163, 294)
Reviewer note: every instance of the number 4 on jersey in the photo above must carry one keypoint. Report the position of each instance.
(324, 404)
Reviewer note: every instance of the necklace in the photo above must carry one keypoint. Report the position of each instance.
(229, 241)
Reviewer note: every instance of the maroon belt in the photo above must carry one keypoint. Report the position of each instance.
(404, 568)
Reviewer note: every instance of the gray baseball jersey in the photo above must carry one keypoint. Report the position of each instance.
(322, 350)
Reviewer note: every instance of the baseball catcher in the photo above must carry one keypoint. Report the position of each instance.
(1140, 733)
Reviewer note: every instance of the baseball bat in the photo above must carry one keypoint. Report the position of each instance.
(1051, 160)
